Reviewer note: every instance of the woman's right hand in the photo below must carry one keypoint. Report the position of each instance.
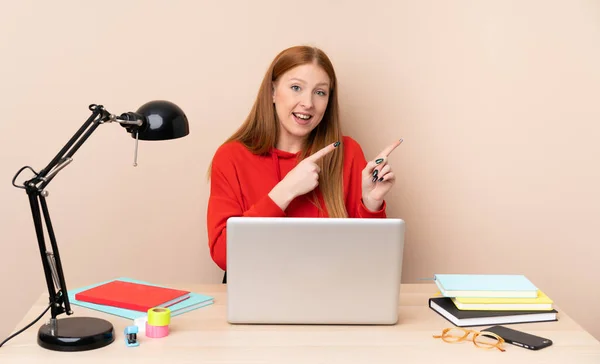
(300, 180)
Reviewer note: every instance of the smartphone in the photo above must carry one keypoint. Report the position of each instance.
(520, 338)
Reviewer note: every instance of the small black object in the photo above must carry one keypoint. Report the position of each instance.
(520, 338)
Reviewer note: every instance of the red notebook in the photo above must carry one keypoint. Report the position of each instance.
(132, 296)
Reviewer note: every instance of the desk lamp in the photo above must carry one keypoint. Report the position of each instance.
(155, 120)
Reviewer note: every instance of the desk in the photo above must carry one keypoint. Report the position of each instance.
(204, 336)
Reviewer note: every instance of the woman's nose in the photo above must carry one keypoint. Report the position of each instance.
(306, 101)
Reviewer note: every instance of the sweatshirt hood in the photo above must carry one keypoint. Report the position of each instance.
(281, 154)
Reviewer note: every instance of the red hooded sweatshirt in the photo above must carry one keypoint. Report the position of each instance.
(241, 182)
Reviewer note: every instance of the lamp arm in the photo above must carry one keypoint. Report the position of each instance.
(55, 281)
(130, 121)
(64, 152)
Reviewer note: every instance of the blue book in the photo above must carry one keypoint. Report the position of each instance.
(485, 285)
(195, 301)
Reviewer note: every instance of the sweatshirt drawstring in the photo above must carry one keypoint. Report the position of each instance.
(276, 162)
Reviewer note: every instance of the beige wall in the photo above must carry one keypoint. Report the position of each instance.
(497, 102)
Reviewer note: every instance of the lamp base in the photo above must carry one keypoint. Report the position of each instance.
(76, 334)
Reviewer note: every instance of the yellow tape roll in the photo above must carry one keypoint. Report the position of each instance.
(159, 316)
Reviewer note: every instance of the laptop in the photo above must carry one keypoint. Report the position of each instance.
(314, 270)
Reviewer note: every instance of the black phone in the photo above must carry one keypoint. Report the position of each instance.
(520, 338)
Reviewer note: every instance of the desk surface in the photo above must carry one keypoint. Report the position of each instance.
(204, 336)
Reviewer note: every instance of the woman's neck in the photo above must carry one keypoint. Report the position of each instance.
(290, 145)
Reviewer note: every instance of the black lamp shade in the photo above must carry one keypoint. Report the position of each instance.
(163, 120)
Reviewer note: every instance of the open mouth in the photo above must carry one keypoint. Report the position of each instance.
(302, 118)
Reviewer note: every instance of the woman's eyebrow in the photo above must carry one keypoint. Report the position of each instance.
(302, 81)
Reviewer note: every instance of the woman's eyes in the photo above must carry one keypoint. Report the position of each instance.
(319, 92)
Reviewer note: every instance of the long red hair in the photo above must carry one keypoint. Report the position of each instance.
(260, 131)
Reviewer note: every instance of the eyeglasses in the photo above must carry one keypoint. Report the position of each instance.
(484, 339)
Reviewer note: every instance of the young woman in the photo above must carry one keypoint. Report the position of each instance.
(289, 157)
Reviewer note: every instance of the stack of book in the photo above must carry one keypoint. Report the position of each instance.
(490, 299)
(131, 298)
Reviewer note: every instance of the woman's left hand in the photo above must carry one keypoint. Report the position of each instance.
(378, 179)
